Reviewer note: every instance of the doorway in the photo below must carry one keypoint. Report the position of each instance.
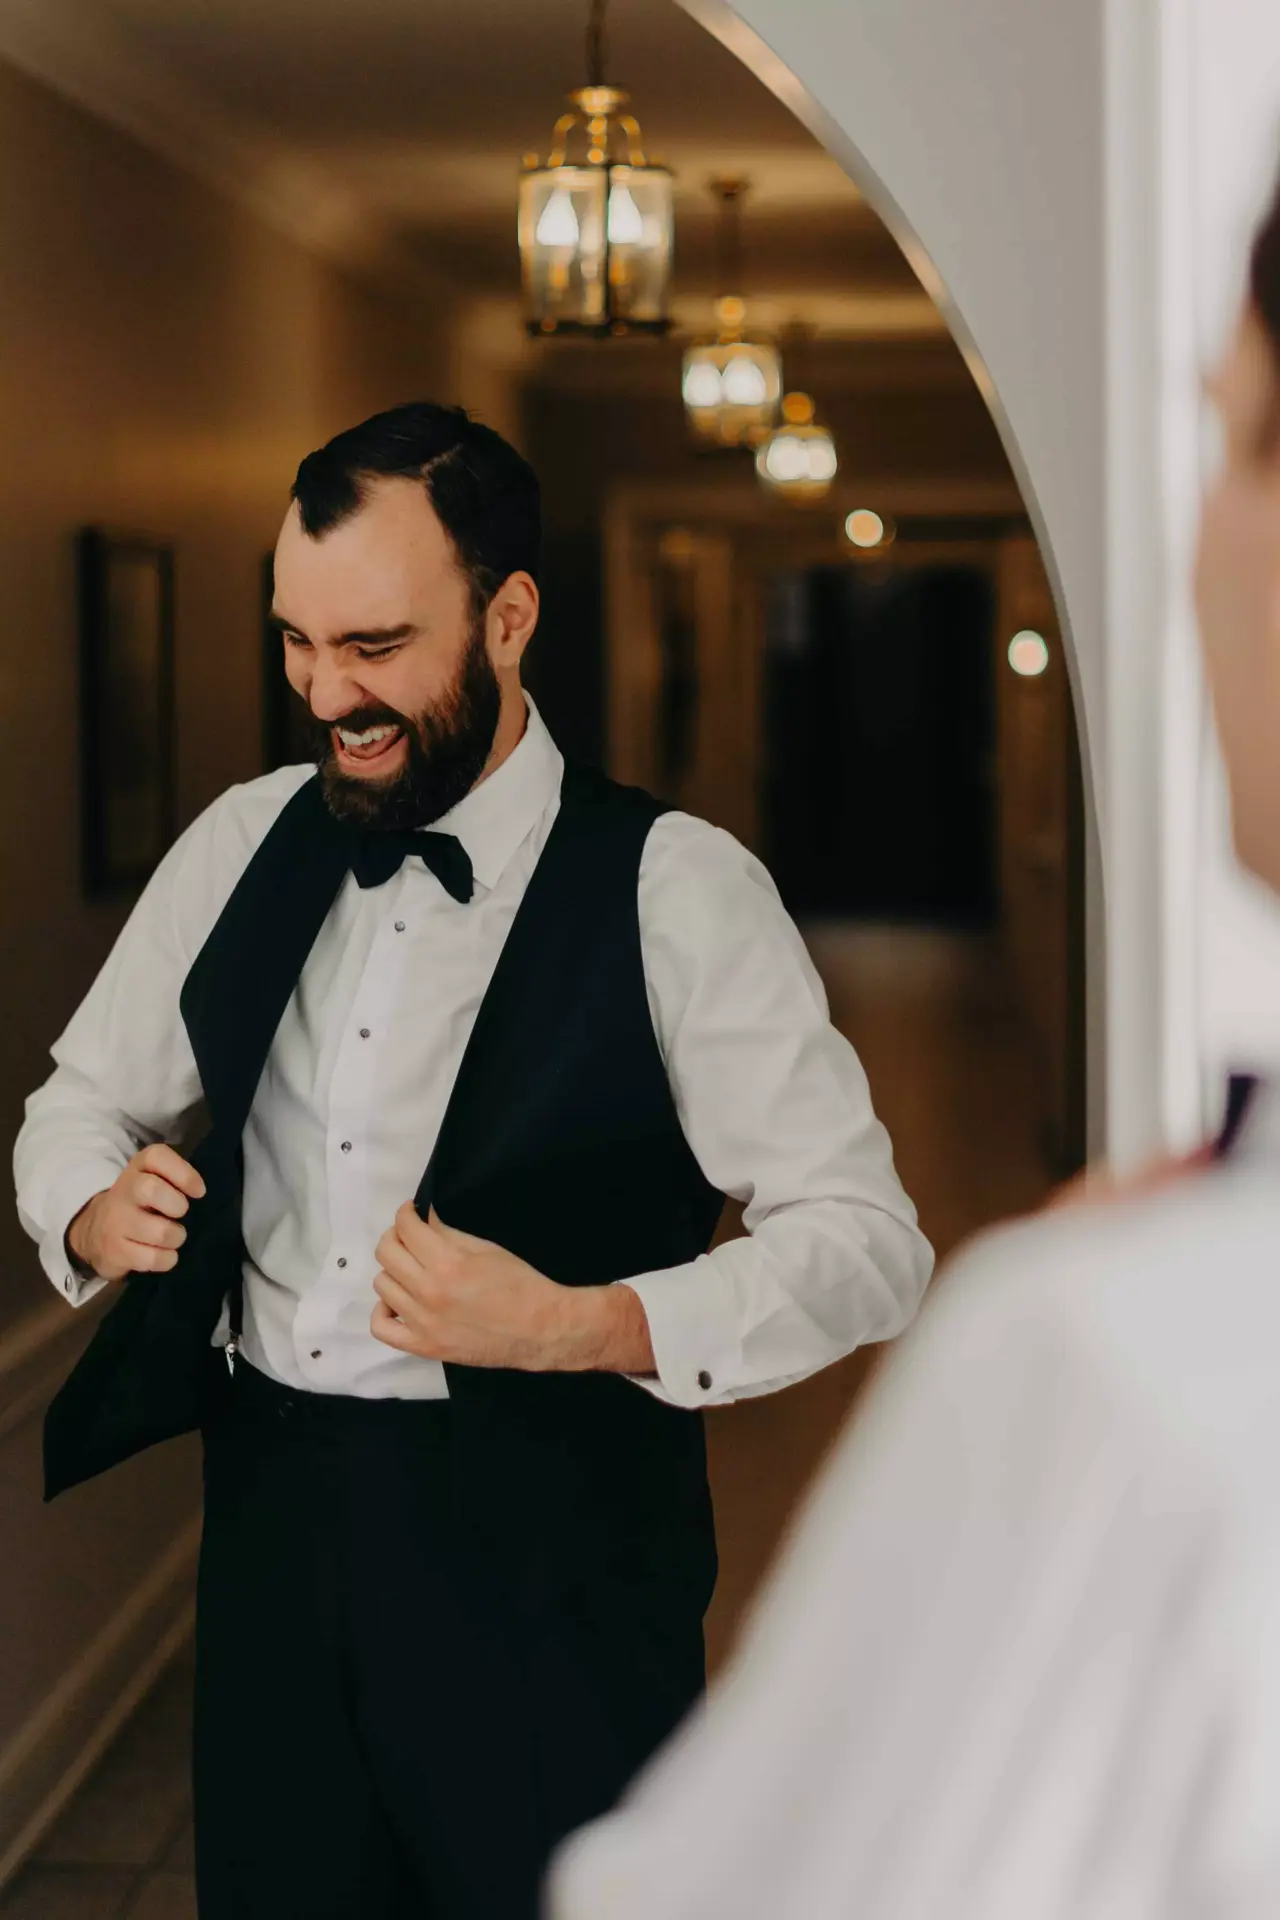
(859, 724)
(879, 734)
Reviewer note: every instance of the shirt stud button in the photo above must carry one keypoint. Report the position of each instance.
(346, 1146)
(364, 1033)
(704, 1380)
(316, 1352)
(342, 1260)
(399, 926)
(67, 1283)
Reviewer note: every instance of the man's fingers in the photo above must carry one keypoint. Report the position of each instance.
(154, 1230)
(154, 1191)
(395, 1297)
(417, 1234)
(170, 1165)
(144, 1259)
(384, 1326)
(408, 1266)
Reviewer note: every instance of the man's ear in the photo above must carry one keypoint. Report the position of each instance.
(510, 619)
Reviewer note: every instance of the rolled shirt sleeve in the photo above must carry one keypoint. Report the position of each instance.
(777, 1110)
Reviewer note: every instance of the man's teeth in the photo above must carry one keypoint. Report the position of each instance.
(365, 739)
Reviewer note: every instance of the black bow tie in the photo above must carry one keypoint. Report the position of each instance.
(376, 856)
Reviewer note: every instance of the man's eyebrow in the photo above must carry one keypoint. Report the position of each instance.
(360, 637)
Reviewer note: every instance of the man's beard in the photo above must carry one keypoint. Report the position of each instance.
(448, 748)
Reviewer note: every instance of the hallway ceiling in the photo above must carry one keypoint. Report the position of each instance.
(392, 130)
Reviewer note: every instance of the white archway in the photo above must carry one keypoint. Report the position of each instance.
(926, 107)
(1074, 184)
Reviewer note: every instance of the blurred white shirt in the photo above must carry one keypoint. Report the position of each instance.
(772, 1099)
(1022, 1659)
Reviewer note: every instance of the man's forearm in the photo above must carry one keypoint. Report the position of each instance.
(609, 1331)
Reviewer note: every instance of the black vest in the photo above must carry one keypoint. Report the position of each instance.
(561, 1143)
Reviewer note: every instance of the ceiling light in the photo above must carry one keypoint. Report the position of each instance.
(731, 385)
(1028, 653)
(863, 528)
(595, 230)
(798, 459)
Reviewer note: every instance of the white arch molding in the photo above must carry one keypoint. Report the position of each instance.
(926, 107)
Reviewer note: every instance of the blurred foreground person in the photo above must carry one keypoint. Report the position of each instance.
(1023, 1661)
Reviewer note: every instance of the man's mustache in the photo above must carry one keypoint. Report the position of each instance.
(360, 719)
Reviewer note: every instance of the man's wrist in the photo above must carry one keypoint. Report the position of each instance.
(74, 1242)
(608, 1331)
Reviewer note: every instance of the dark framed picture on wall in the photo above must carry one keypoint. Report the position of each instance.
(126, 707)
(289, 735)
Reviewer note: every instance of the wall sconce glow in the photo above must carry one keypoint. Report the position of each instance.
(863, 528)
(1028, 653)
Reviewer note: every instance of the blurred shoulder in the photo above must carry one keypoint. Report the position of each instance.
(1170, 1298)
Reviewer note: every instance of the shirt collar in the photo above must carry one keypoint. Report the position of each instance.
(497, 816)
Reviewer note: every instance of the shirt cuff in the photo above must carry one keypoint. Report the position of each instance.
(62, 1203)
(693, 1326)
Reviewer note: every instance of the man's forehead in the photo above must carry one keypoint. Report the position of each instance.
(393, 514)
(399, 552)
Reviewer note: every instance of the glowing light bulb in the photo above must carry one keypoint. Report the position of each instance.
(1028, 653)
(626, 228)
(787, 458)
(558, 224)
(864, 528)
(702, 386)
(820, 459)
(744, 383)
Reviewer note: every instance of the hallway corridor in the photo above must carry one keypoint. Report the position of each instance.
(951, 1079)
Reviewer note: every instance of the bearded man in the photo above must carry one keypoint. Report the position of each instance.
(458, 1540)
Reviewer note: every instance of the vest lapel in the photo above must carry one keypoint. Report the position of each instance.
(236, 993)
(539, 942)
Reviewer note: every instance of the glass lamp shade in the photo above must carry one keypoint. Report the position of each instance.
(595, 248)
(798, 459)
(731, 390)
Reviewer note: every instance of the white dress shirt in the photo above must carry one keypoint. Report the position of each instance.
(1022, 1661)
(773, 1101)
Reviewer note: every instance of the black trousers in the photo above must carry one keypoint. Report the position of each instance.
(380, 1733)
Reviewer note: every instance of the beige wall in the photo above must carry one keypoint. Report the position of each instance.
(164, 362)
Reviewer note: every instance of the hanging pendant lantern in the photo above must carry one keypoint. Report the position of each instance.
(731, 385)
(595, 228)
(798, 459)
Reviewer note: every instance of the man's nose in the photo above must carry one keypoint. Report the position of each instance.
(334, 691)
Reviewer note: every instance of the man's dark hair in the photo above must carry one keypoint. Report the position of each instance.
(485, 495)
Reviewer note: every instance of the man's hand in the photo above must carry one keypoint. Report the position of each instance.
(445, 1295)
(134, 1226)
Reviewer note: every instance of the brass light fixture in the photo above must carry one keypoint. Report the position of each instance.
(798, 459)
(731, 385)
(596, 229)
